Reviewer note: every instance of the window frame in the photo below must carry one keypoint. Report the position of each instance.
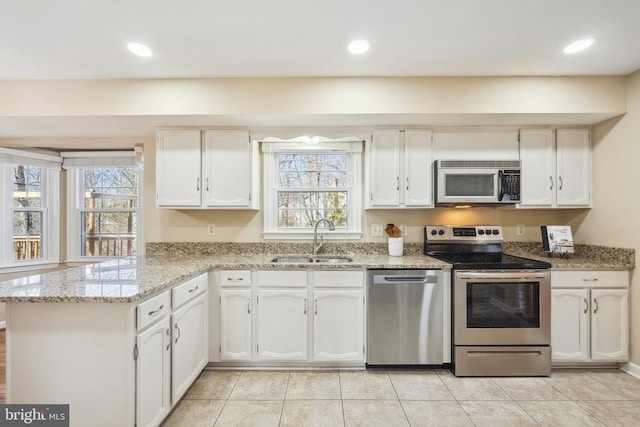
(75, 164)
(270, 150)
(50, 166)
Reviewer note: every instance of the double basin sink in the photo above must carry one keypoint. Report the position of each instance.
(311, 260)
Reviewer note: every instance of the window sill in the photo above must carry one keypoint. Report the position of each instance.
(24, 268)
(306, 235)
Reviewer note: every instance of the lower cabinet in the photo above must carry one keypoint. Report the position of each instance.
(292, 315)
(172, 351)
(338, 325)
(235, 324)
(190, 346)
(153, 374)
(590, 323)
(282, 324)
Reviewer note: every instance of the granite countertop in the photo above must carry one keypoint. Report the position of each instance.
(129, 279)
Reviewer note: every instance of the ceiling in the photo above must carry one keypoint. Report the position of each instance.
(69, 39)
(75, 39)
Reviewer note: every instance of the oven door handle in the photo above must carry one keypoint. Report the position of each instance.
(501, 276)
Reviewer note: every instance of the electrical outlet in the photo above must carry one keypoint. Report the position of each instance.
(376, 230)
(403, 230)
(211, 229)
(520, 230)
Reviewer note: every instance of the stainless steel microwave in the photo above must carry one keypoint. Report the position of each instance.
(474, 182)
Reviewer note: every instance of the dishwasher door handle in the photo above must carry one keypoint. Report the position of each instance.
(404, 279)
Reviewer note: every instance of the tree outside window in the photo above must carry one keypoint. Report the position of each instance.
(28, 213)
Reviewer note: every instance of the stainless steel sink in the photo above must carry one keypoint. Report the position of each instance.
(333, 260)
(293, 259)
(310, 260)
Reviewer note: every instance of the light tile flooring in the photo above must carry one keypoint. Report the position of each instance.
(403, 398)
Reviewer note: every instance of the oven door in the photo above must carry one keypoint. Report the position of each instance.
(502, 308)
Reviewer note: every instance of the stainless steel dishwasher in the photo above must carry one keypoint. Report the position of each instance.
(405, 317)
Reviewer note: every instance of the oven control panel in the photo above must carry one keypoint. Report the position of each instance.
(464, 233)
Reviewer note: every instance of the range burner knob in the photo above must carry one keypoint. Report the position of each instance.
(434, 232)
(481, 232)
(441, 232)
(496, 231)
(488, 231)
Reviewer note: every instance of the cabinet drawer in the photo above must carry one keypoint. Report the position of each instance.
(153, 309)
(338, 279)
(589, 279)
(280, 278)
(189, 289)
(235, 277)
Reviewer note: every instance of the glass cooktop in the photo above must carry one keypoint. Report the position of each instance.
(490, 261)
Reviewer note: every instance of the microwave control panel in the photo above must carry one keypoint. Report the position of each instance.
(510, 185)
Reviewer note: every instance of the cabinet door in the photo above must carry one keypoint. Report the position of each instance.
(282, 324)
(418, 164)
(537, 159)
(153, 400)
(190, 345)
(178, 162)
(384, 168)
(235, 324)
(338, 325)
(610, 325)
(573, 152)
(570, 313)
(228, 169)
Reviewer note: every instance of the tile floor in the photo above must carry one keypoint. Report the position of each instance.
(408, 398)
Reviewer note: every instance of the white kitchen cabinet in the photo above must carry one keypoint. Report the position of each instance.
(589, 316)
(282, 324)
(399, 169)
(230, 169)
(178, 163)
(153, 374)
(338, 315)
(338, 325)
(218, 170)
(573, 163)
(235, 324)
(556, 168)
(190, 338)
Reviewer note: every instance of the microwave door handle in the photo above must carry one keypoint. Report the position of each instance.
(500, 186)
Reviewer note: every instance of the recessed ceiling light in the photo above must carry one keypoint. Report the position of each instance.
(358, 47)
(578, 46)
(139, 49)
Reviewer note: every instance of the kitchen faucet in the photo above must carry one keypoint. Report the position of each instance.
(317, 246)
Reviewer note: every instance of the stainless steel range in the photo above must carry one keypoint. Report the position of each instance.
(501, 303)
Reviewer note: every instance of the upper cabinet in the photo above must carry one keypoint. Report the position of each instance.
(178, 179)
(215, 171)
(399, 169)
(556, 172)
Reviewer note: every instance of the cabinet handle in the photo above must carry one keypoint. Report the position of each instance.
(560, 179)
(248, 305)
(407, 184)
(595, 304)
(586, 305)
(397, 183)
(193, 290)
(595, 279)
(177, 329)
(207, 183)
(235, 279)
(551, 183)
(316, 306)
(198, 184)
(152, 312)
(305, 306)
